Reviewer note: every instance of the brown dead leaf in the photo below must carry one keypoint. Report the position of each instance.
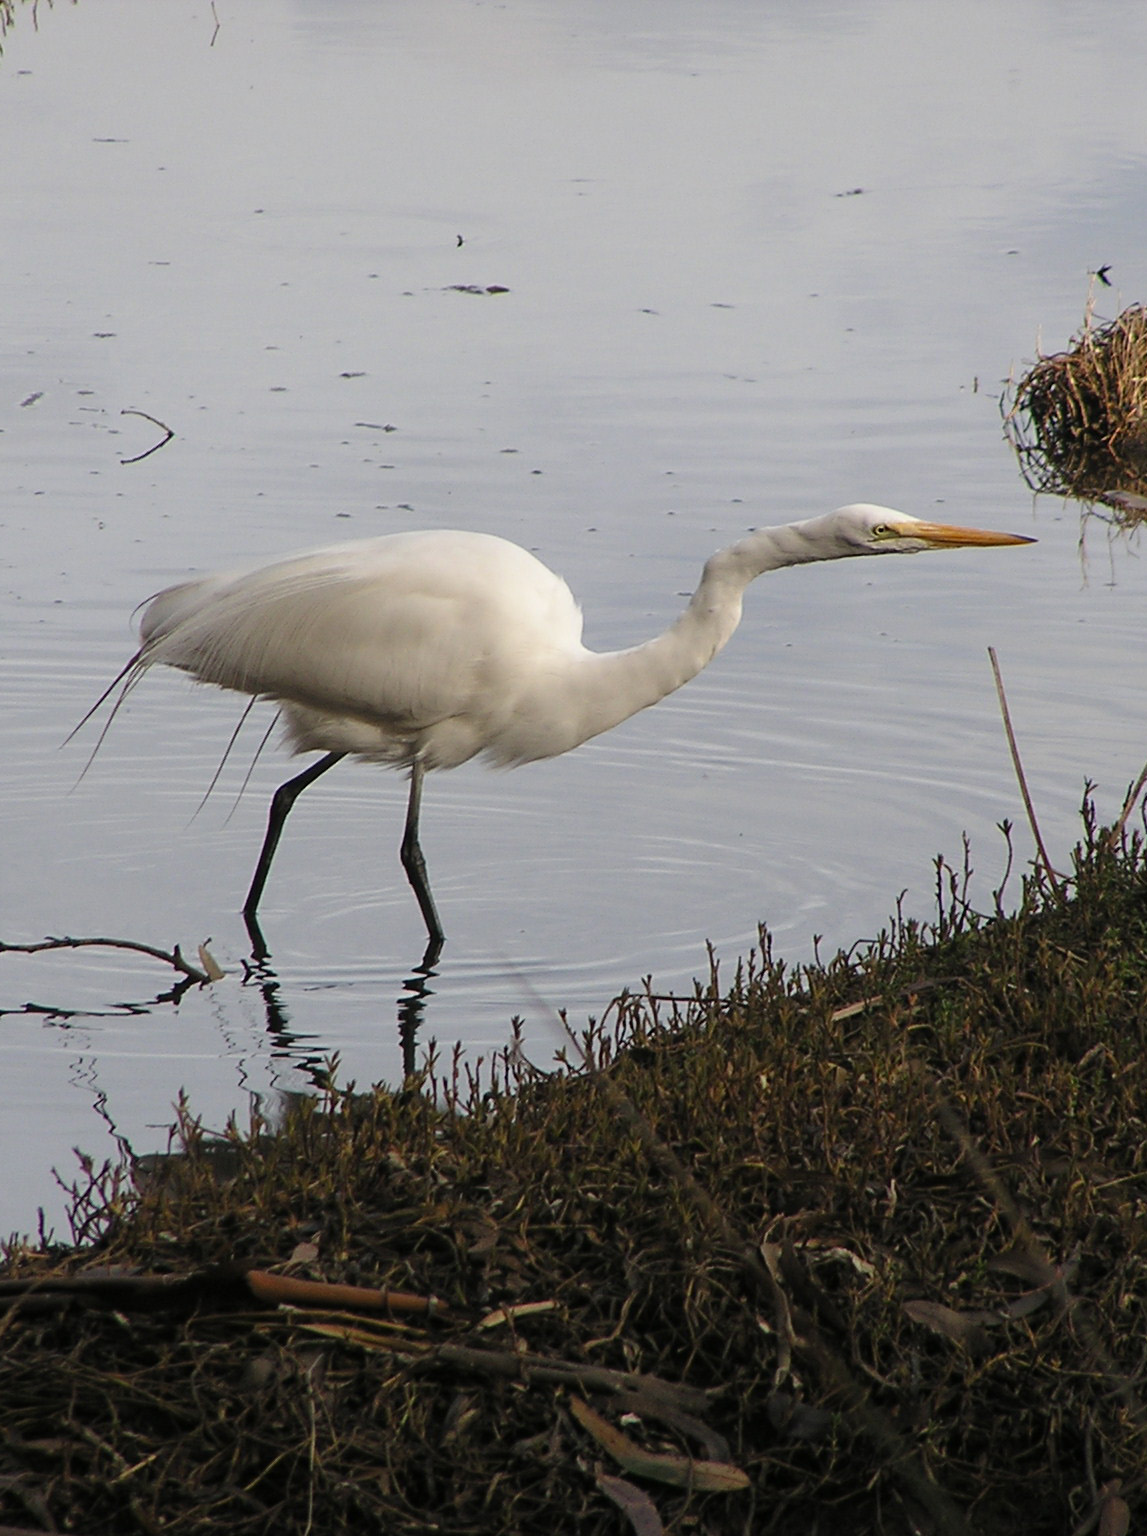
(1029, 1302)
(1021, 1261)
(796, 1420)
(1114, 1512)
(782, 1323)
(647, 1403)
(678, 1471)
(966, 1328)
(483, 1237)
(519, 1309)
(213, 970)
(638, 1508)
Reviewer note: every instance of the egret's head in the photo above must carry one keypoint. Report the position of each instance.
(872, 530)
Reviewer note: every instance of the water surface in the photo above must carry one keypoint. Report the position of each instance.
(760, 261)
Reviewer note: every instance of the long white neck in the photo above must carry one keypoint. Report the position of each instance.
(609, 687)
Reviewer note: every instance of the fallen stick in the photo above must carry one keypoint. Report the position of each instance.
(172, 957)
(221, 1285)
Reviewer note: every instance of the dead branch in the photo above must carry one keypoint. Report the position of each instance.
(1020, 777)
(155, 447)
(173, 957)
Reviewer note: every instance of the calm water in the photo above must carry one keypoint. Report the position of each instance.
(761, 261)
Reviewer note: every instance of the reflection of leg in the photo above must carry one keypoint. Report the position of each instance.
(299, 1052)
(415, 865)
(259, 950)
(416, 992)
(281, 803)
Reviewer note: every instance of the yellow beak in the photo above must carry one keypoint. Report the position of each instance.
(943, 536)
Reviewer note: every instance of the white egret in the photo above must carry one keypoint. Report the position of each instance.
(422, 650)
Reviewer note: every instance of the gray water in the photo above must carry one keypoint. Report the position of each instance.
(760, 261)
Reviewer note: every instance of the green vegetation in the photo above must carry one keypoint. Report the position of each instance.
(858, 1247)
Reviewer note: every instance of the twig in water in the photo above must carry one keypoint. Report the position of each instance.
(1055, 878)
(172, 957)
(163, 442)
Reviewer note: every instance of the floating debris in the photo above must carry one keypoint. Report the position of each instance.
(1077, 420)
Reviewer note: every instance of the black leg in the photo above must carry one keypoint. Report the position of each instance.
(415, 865)
(281, 803)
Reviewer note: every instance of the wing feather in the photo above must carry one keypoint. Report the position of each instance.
(403, 631)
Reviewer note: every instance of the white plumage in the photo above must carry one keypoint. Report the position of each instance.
(436, 644)
(427, 649)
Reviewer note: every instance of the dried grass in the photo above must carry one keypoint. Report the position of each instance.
(1077, 419)
(870, 1233)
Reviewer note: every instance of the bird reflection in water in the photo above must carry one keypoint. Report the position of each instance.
(411, 1002)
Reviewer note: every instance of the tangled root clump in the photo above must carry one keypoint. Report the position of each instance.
(1077, 420)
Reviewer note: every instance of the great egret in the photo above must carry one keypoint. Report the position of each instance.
(423, 650)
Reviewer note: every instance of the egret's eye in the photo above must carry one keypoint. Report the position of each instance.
(883, 531)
